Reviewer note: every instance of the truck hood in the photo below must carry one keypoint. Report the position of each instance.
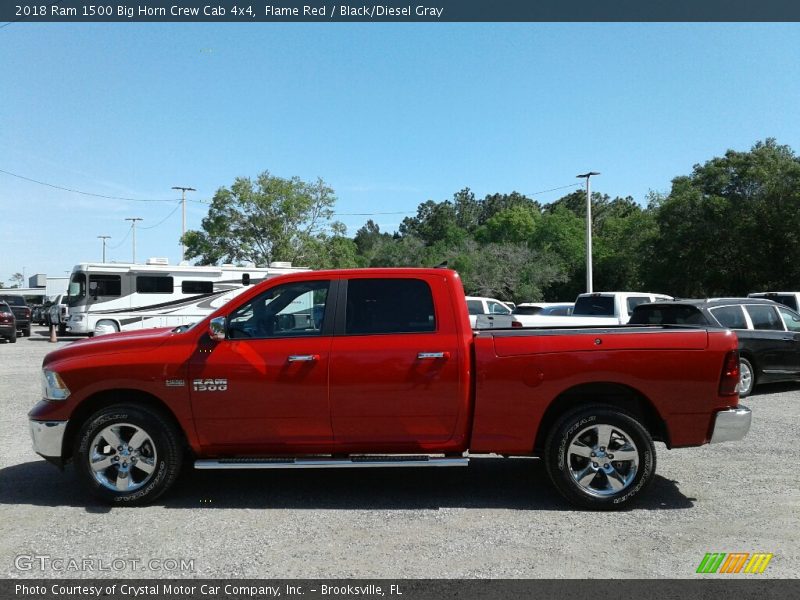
(114, 343)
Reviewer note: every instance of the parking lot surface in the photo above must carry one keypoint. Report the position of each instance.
(498, 518)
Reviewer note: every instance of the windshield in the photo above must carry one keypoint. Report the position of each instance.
(77, 289)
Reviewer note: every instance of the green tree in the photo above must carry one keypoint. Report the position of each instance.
(730, 227)
(17, 279)
(515, 224)
(262, 220)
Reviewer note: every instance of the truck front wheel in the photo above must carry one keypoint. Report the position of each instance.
(600, 457)
(127, 454)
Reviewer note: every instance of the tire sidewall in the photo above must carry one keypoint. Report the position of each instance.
(556, 456)
(744, 362)
(167, 452)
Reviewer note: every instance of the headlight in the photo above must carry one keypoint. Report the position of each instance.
(75, 318)
(53, 386)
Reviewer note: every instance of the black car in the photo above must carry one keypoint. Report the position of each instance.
(21, 311)
(8, 323)
(768, 332)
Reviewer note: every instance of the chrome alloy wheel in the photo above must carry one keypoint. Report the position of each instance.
(745, 378)
(122, 457)
(602, 459)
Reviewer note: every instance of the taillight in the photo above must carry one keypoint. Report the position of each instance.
(516, 324)
(27, 312)
(729, 383)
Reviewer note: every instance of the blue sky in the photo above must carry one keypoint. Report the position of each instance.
(389, 115)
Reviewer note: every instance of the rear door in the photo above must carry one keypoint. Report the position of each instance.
(395, 377)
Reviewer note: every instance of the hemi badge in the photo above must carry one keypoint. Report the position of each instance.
(175, 383)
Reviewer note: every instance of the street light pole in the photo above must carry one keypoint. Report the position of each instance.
(183, 202)
(104, 238)
(133, 226)
(588, 229)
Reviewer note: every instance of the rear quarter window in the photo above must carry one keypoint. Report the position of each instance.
(602, 306)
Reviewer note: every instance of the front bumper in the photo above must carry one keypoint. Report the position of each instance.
(48, 438)
(731, 425)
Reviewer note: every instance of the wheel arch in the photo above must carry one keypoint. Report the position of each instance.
(108, 398)
(610, 394)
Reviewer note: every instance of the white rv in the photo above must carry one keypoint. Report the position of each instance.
(110, 297)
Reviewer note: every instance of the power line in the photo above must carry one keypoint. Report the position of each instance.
(66, 189)
(164, 219)
(122, 241)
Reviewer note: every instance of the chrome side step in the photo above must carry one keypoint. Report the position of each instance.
(361, 461)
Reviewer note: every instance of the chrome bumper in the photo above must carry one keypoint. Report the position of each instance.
(731, 425)
(48, 437)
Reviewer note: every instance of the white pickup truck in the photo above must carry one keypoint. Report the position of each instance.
(596, 308)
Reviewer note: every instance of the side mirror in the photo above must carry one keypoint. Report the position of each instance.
(93, 289)
(216, 329)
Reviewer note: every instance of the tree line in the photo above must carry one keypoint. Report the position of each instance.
(728, 228)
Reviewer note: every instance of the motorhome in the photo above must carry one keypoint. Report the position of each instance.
(110, 297)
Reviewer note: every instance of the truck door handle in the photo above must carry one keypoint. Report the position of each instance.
(303, 357)
(430, 355)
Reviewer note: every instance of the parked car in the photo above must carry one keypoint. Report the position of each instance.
(392, 376)
(22, 313)
(545, 309)
(790, 299)
(768, 332)
(8, 323)
(614, 307)
(479, 305)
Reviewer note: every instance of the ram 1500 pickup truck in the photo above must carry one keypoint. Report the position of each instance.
(380, 368)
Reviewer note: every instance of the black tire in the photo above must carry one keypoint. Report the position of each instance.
(162, 452)
(13, 338)
(577, 433)
(746, 384)
(62, 329)
(27, 331)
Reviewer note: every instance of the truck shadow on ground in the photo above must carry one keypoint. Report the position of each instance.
(517, 484)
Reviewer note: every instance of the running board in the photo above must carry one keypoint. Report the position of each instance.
(330, 463)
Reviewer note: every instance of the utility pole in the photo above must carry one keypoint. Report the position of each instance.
(588, 229)
(104, 238)
(133, 226)
(183, 228)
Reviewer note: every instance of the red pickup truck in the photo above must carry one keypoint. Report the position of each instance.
(380, 368)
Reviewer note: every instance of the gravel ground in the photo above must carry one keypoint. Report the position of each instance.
(496, 519)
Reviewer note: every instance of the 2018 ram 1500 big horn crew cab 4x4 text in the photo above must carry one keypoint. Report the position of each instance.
(379, 367)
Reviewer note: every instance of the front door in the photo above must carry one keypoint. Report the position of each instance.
(265, 387)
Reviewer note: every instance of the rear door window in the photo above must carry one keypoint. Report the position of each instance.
(475, 307)
(764, 317)
(389, 306)
(730, 316)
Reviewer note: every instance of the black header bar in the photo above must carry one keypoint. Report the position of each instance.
(392, 11)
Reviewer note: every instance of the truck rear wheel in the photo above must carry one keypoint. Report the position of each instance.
(600, 457)
(128, 454)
